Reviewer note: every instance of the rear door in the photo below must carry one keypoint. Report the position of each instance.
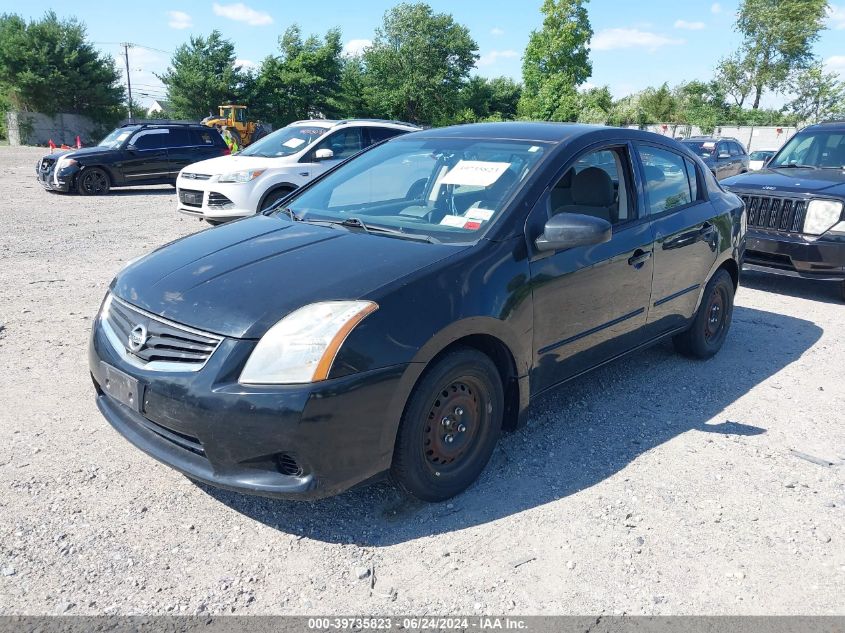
(686, 234)
(145, 158)
(590, 302)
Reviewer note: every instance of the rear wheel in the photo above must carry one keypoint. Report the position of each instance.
(712, 321)
(273, 197)
(93, 182)
(450, 426)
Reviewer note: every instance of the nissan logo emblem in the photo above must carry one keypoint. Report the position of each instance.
(137, 338)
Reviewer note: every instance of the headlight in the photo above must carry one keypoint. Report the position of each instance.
(302, 346)
(65, 162)
(821, 215)
(241, 176)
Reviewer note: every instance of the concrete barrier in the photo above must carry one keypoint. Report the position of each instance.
(33, 128)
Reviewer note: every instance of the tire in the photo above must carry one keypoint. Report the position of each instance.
(426, 463)
(93, 182)
(712, 321)
(273, 197)
(213, 222)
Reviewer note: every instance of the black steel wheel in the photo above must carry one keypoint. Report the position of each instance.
(711, 323)
(93, 181)
(450, 426)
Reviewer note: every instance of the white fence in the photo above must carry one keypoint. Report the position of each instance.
(751, 136)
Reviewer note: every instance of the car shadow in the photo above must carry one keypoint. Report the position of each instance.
(812, 289)
(578, 435)
(152, 190)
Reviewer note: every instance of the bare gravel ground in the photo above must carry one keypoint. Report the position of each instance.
(656, 485)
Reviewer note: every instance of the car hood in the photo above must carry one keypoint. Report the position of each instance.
(239, 279)
(826, 181)
(228, 164)
(83, 152)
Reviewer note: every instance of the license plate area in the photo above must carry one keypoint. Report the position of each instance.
(122, 387)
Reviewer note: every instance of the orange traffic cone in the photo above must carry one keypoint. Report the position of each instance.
(78, 142)
(65, 146)
(51, 144)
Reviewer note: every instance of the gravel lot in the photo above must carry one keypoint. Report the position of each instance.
(656, 485)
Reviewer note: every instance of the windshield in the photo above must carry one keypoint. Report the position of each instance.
(116, 138)
(289, 140)
(705, 149)
(451, 190)
(761, 155)
(813, 149)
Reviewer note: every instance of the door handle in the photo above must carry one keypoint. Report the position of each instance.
(304, 174)
(639, 258)
(706, 229)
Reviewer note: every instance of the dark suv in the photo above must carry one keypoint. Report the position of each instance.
(796, 223)
(134, 154)
(724, 156)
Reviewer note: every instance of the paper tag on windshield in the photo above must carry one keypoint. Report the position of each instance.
(710, 145)
(294, 142)
(478, 173)
(457, 221)
(479, 214)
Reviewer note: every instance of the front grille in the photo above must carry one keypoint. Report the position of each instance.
(783, 215)
(156, 343)
(192, 176)
(219, 201)
(190, 197)
(187, 442)
(46, 163)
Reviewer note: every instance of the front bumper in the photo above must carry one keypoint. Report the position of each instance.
(211, 200)
(795, 255)
(47, 178)
(296, 441)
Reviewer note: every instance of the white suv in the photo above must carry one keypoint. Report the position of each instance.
(235, 186)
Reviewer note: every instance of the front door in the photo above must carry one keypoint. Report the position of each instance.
(145, 157)
(686, 235)
(343, 143)
(591, 302)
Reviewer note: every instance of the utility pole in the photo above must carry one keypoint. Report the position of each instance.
(126, 46)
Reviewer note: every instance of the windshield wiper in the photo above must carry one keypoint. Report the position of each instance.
(794, 166)
(357, 223)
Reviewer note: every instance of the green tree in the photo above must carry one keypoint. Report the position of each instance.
(355, 95)
(418, 64)
(778, 37)
(659, 104)
(303, 80)
(556, 62)
(701, 104)
(595, 105)
(202, 75)
(49, 66)
(818, 95)
(485, 99)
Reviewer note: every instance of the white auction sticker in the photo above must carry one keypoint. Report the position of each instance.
(454, 220)
(479, 214)
(294, 142)
(475, 172)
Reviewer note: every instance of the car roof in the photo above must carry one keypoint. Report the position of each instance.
(332, 123)
(546, 132)
(827, 126)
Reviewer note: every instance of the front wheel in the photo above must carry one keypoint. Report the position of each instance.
(712, 321)
(93, 182)
(450, 426)
(273, 197)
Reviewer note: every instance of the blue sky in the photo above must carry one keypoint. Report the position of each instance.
(636, 44)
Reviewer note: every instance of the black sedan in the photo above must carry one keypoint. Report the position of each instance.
(398, 313)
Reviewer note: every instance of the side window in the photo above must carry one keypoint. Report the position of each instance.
(151, 139)
(597, 185)
(667, 182)
(344, 143)
(741, 148)
(734, 149)
(379, 134)
(179, 137)
(721, 150)
(201, 137)
(692, 174)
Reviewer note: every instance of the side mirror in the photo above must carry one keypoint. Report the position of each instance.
(567, 230)
(323, 154)
(131, 148)
(723, 155)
